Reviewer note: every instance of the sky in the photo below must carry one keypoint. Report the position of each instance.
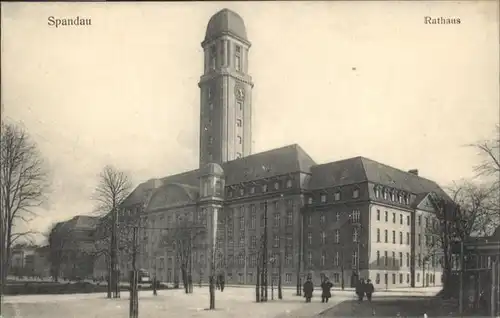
(341, 79)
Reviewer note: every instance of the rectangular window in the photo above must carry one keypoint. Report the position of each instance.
(240, 106)
(378, 257)
(323, 198)
(408, 220)
(393, 237)
(337, 236)
(355, 193)
(323, 237)
(386, 239)
(386, 259)
(237, 58)
(336, 259)
(238, 122)
(394, 217)
(407, 238)
(322, 219)
(378, 215)
(386, 216)
(337, 196)
(401, 238)
(213, 57)
(378, 235)
(355, 216)
(289, 218)
(400, 259)
(309, 238)
(401, 219)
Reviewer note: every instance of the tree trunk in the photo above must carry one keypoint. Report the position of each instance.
(184, 279)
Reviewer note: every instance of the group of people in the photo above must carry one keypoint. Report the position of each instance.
(326, 287)
(362, 288)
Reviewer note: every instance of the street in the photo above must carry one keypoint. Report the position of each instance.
(233, 302)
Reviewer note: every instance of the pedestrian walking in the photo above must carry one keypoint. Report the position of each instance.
(308, 289)
(360, 289)
(326, 287)
(221, 282)
(369, 289)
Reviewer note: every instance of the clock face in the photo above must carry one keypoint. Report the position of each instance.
(240, 92)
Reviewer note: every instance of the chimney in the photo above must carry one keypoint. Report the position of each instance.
(413, 171)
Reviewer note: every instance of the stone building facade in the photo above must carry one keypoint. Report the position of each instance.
(344, 219)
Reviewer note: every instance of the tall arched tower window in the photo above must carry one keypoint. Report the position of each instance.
(226, 91)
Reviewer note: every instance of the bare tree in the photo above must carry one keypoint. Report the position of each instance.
(489, 150)
(113, 188)
(466, 215)
(23, 185)
(185, 237)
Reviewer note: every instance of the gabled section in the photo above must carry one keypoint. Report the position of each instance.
(423, 201)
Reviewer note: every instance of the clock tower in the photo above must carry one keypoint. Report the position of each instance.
(225, 91)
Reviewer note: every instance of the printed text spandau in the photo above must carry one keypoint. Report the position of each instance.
(77, 21)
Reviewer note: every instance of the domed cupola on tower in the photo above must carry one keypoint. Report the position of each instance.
(211, 182)
(225, 91)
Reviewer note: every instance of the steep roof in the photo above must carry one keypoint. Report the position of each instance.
(361, 169)
(279, 161)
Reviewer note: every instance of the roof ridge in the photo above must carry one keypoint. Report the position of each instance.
(401, 170)
(299, 148)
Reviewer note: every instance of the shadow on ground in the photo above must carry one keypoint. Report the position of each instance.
(392, 307)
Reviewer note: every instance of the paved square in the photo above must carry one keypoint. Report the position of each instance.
(233, 302)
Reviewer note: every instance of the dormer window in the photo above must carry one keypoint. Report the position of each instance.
(309, 200)
(323, 198)
(355, 193)
(385, 194)
(289, 184)
(407, 199)
(377, 192)
(229, 193)
(252, 190)
(264, 188)
(337, 196)
(276, 185)
(400, 198)
(242, 191)
(393, 196)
